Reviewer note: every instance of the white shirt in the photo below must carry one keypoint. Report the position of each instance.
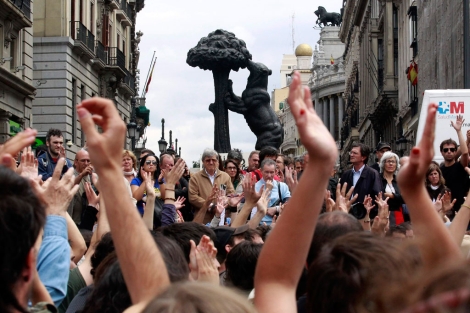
(212, 178)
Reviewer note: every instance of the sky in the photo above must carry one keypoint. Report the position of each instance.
(181, 94)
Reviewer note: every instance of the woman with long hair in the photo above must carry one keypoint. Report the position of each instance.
(149, 170)
(232, 169)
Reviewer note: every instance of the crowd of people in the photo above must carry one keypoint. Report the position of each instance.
(110, 232)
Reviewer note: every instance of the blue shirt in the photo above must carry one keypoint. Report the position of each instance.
(53, 262)
(357, 175)
(140, 204)
(285, 194)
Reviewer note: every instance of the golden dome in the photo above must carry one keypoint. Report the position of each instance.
(303, 50)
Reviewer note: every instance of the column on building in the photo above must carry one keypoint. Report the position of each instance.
(318, 106)
(5, 125)
(340, 113)
(325, 111)
(332, 115)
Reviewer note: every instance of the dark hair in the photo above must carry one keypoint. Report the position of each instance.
(395, 229)
(364, 149)
(449, 141)
(102, 249)
(235, 154)
(288, 160)
(241, 264)
(142, 163)
(267, 152)
(148, 151)
(222, 253)
(330, 226)
(348, 273)
(263, 231)
(22, 216)
(87, 235)
(173, 257)
(39, 150)
(237, 176)
(53, 132)
(110, 293)
(183, 232)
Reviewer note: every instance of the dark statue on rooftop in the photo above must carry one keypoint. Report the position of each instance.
(221, 52)
(324, 17)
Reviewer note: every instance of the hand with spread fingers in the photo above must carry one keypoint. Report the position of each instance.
(368, 205)
(91, 196)
(56, 192)
(343, 199)
(329, 202)
(14, 145)
(29, 165)
(251, 196)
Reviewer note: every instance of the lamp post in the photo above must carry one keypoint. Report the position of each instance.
(162, 142)
(402, 144)
(179, 152)
(170, 145)
(176, 145)
(131, 133)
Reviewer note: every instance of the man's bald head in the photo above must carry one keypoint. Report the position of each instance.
(82, 160)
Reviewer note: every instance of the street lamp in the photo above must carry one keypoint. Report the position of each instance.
(132, 133)
(402, 144)
(162, 142)
(170, 146)
(180, 152)
(176, 145)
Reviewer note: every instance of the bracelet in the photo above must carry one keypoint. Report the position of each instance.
(160, 182)
(366, 221)
(466, 206)
(170, 199)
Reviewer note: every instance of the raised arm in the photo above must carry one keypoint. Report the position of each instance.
(141, 262)
(457, 125)
(437, 246)
(277, 274)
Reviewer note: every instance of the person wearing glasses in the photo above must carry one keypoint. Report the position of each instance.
(454, 172)
(204, 187)
(233, 170)
(149, 170)
(389, 166)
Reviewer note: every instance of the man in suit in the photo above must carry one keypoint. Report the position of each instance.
(366, 181)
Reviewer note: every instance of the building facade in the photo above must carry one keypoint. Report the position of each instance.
(17, 90)
(327, 80)
(380, 50)
(82, 49)
(292, 145)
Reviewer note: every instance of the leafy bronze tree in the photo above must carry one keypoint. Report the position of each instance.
(220, 52)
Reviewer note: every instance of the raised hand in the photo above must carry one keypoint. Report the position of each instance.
(263, 201)
(91, 196)
(57, 192)
(343, 199)
(368, 205)
(447, 203)
(291, 178)
(15, 145)
(179, 203)
(235, 200)
(313, 133)
(251, 196)
(202, 261)
(149, 186)
(29, 165)
(457, 125)
(329, 202)
(172, 177)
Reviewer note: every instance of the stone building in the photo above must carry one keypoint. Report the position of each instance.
(291, 144)
(327, 81)
(84, 48)
(380, 41)
(17, 90)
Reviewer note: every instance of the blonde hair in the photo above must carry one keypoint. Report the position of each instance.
(130, 154)
(194, 297)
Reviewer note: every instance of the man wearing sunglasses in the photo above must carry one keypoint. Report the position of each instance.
(454, 172)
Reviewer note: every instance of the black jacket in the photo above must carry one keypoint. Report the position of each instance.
(394, 203)
(368, 184)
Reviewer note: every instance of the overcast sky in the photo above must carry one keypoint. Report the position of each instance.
(181, 94)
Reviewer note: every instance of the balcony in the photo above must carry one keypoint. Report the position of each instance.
(18, 11)
(84, 40)
(101, 56)
(114, 4)
(128, 84)
(124, 15)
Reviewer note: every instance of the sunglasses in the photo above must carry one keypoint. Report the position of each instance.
(151, 162)
(447, 149)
